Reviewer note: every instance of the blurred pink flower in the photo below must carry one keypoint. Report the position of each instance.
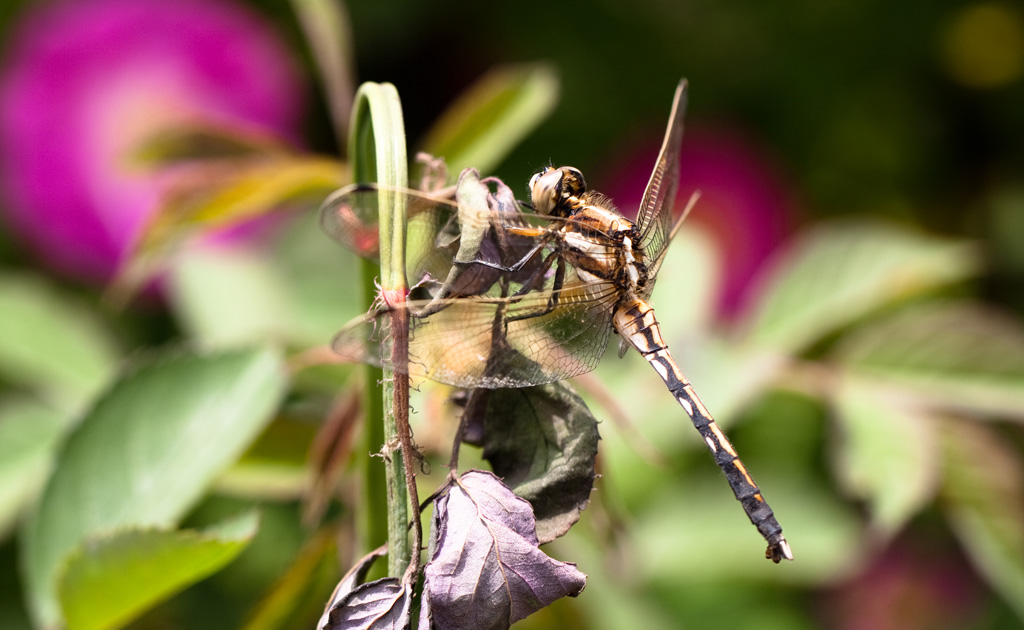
(84, 81)
(910, 586)
(744, 203)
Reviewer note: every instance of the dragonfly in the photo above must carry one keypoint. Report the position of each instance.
(512, 294)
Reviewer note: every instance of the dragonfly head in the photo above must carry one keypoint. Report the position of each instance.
(556, 191)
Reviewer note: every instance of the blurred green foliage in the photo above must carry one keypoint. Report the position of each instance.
(874, 385)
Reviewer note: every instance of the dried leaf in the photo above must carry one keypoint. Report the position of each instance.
(486, 571)
(379, 605)
(542, 441)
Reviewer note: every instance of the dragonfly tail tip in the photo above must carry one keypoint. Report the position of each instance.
(778, 551)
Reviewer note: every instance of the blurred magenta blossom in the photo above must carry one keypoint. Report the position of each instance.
(908, 587)
(84, 81)
(744, 202)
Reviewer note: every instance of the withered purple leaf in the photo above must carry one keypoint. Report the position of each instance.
(379, 605)
(349, 582)
(542, 442)
(486, 571)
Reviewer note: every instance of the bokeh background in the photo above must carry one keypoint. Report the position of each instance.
(847, 295)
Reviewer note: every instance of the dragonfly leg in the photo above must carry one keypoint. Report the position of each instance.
(556, 289)
(519, 264)
(441, 296)
(516, 266)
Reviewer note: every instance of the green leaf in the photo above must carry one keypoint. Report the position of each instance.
(693, 313)
(840, 272)
(953, 355)
(1004, 222)
(302, 587)
(542, 442)
(300, 293)
(321, 280)
(276, 465)
(52, 344)
(208, 195)
(186, 142)
(227, 297)
(484, 124)
(108, 580)
(378, 154)
(223, 192)
(29, 434)
(145, 453)
(984, 498)
(887, 455)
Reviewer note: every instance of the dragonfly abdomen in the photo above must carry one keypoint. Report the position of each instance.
(635, 321)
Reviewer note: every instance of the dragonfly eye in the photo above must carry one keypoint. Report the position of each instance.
(546, 190)
(533, 180)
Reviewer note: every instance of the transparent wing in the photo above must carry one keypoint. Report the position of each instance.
(350, 216)
(654, 219)
(493, 342)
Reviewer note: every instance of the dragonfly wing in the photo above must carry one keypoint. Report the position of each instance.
(479, 342)
(360, 340)
(655, 216)
(349, 215)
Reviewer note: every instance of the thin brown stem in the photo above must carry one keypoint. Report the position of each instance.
(409, 453)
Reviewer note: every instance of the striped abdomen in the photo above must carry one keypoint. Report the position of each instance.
(635, 321)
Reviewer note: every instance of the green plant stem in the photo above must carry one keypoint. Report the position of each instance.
(374, 510)
(373, 513)
(377, 130)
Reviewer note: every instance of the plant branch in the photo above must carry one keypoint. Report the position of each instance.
(377, 130)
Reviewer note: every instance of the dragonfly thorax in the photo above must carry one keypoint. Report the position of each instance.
(604, 246)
